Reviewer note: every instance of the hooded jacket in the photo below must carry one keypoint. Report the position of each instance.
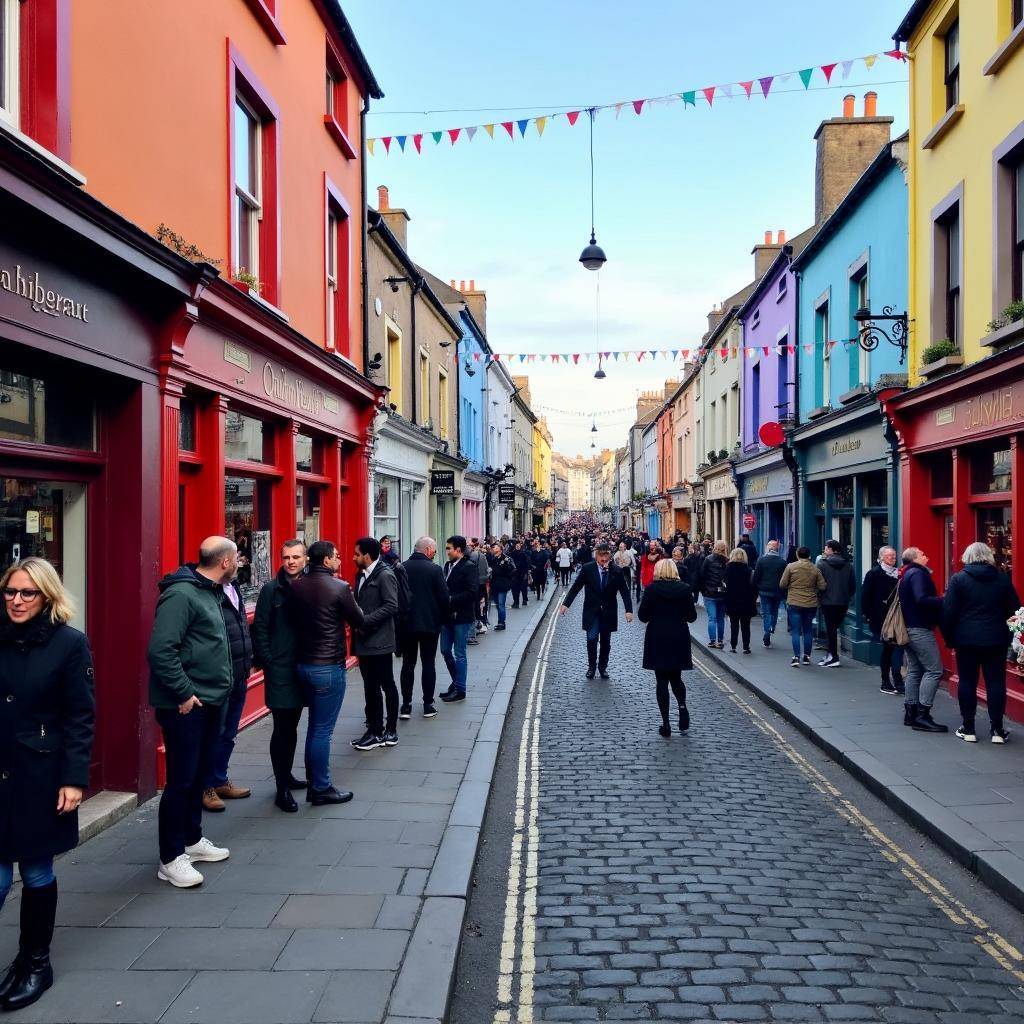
(188, 648)
(840, 583)
(976, 605)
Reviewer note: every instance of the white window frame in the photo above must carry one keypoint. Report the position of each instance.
(330, 84)
(331, 273)
(253, 202)
(443, 420)
(424, 387)
(823, 308)
(10, 86)
(864, 302)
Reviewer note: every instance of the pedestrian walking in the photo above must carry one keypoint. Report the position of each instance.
(692, 563)
(601, 582)
(463, 584)
(652, 555)
(428, 612)
(319, 606)
(834, 600)
(47, 720)
(740, 598)
(712, 588)
(667, 607)
(478, 556)
(679, 557)
(388, 555)
(539, 560)
(563, 559)
(767, 574)
(503, 573)
(922, 612)
(190, 678)
(978, 601)
(273, 644)
(625, 561)
(876, 595)
(236, 622)
(746, 545)
(801, 582)
(520, 585)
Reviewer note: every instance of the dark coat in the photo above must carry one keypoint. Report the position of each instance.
(319, 605)
(583, 555)
(378, 598)
(667, 606)
(502, 575)
(428, 609)
(598, 602)
(876, 595)
(740, 594)
(273, 642)
(976, 605)
(693, 565)
(47, 718)
(747, 547)
(521, 560)
(539, 562)
(767, 573)
(463, 590)
(236, 625)
(919, 600)
(840, 582)
(712, 575)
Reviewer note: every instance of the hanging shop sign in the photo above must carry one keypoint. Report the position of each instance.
(506, 493)
(442, 481)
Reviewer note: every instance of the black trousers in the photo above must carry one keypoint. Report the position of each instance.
(379, 689)
(283, 741)
(739, 624)
(596, 638)
(833, 615)
(664, 680)
(520, 590)
(991, 662)
(481, 604)
(424, 645)
(887, 663)
(190, 743)
(563, 573)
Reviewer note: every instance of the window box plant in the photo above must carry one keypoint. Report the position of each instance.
(940, 358)
(1007, 327)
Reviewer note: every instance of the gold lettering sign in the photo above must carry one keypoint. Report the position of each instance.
(851, 444)
(292, 390)
(987, 410)
(42, 299)
(757, 484)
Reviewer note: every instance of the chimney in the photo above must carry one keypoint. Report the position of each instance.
(715, 316)
(847, 146)
(477, 302)
(397, 220)
(782, 237)
(764, 255)
(670, 386)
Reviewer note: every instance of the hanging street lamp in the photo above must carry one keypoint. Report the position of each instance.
(592, 257)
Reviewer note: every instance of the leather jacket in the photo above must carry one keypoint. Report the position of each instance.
(319, 605)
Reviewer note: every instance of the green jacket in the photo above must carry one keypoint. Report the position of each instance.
(188, 648)
(273, 641)
(802, 581)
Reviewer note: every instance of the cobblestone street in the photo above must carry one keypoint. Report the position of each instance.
(720, 875)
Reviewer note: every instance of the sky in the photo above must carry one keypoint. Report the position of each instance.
(681, 194)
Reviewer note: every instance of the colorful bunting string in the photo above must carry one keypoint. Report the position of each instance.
(688, 98)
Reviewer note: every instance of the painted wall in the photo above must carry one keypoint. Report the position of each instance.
(472, 381)
(718, 414)
(875, 228)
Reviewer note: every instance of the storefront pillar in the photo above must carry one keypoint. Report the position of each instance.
(1017, 503)
(330, 502)
(284, 514)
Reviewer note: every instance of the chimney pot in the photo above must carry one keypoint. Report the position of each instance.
(452, 282)
(767, 238)
(782, 237)
(871, 104)
(382, 198)
(472, 285)
(848, 101)
(462, 286)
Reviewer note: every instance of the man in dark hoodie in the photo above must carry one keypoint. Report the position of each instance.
(189, 683)
(922, 612)
(834, 600)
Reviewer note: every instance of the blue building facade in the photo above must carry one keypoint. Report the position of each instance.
(471, 353)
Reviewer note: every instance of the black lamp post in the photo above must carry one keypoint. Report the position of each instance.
(871, 334)
(494, 477)
(592, 257)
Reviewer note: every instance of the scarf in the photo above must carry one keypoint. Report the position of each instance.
(890, 570)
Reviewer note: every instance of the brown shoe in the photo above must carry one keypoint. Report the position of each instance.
(231, 792)
(212, 802)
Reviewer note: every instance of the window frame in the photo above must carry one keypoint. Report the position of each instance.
(266, 13)
(1016, 12)
(822, 327)
(1017, 229)
(951, 75)
(337, 87)
(950, 209)
(393, 363)
(443, 418)
(245, 197)
(337, 242)
(1008, 221)
(424, 385)
(11, 68)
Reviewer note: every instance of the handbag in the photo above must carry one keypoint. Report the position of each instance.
(894, 628)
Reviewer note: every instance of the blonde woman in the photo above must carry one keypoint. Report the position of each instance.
(712, 587)
(47, 714)
(740, 598)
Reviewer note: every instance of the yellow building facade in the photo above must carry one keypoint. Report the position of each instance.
(542, 471)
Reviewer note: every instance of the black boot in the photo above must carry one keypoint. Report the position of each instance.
(909, 713)
(923, 721)
(591, 658)
(285, 801)
(35, 975)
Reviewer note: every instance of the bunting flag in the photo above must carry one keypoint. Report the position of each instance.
(687, 96)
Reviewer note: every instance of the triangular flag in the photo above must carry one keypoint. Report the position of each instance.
(805, 76)
(497, 357)
(576, 358)
(830, 345)
(616, 354)
(507, 125)
(654, 354)
(476, 357)
(686, 353)
(607, 354)
(541, 121)
(675, 353)
(543, 357)
(453, 134)
(573, 115)
(747, 86)
(417, 141)
(401, 141)
(554, 358)
(896, 54)
(869, 61)
(766, 84)
(847, 64)
(370, 143)
(724, 353)
(618, 108)
(522, 356)
(639, 356)
(709, 94)
(436, 136)
(791, 349)
(750, 352)
(827, 69)
(387, 143)
(689, 98)
(726, 90)
(783, 79)
(530, 358)
(565, 357)
(522, 126)
(638, 105)
(489, 128)
(471, 132)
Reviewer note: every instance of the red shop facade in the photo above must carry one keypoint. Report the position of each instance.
(961, 443)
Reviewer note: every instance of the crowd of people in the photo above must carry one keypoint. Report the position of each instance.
(203, 649)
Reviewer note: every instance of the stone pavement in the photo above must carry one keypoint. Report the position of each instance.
(349, 913)
(715, 877)
(969, 798)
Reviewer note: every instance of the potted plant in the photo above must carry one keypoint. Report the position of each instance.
(939, 358)
(1008, 326)
(246, 282)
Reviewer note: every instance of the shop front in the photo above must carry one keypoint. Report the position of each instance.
(721, 498)
(446, 480)
(961, 447)
(766, 497)
(682, 507)
(653, 515)
(850, 489)
(473, 505)
(401, 472)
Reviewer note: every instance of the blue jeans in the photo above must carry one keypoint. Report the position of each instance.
(716, 618)
(500, 597)
(228, 732)
(324, 687)
(454, 636)
(769, 611)
(34, 873)
(801, 620)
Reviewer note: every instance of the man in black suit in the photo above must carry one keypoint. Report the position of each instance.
(602, 582)
(463, 583)
(428, 612)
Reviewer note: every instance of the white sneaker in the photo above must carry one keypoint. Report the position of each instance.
(481, 628)
(205, 850)
(180, 873)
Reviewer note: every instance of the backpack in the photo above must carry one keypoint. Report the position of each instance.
(894, 628)
(404, 591)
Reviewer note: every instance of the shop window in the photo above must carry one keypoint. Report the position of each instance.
(50, 411)
(10, 62)
(876, 490)
(991, 471)
(878, 527)
(247, 439)
(187, 425)
(942, 476)
(307, 512)
(842, 494)
(995, 530)
(948, 273)
(304, 450)
(951, 76)
(816, 495)
(247, 504)
(336, 108)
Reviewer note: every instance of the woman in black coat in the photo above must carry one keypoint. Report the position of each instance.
(876, 594)
(667, 607)
(503, 575)
(740, 598)
(47, 715)
(975, 607)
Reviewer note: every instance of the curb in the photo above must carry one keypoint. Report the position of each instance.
(1001, 870)
(422, 991)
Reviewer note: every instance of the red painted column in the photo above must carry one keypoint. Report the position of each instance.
(283, 516)
(206, 498)
(330, 504)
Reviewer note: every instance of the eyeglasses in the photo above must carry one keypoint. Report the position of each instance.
(27, 593)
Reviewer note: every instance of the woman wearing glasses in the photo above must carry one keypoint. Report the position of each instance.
(47, 713)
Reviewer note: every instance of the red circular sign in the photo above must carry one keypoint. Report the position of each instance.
(771, 434)
(749, 521)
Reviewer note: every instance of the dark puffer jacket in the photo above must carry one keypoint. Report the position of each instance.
(840, 582)
(919, 600)
(977, 603)
(712, 576)
(236, 625)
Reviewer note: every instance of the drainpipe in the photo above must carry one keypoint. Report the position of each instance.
(788, 455)
(363, 237)
(415, 289)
